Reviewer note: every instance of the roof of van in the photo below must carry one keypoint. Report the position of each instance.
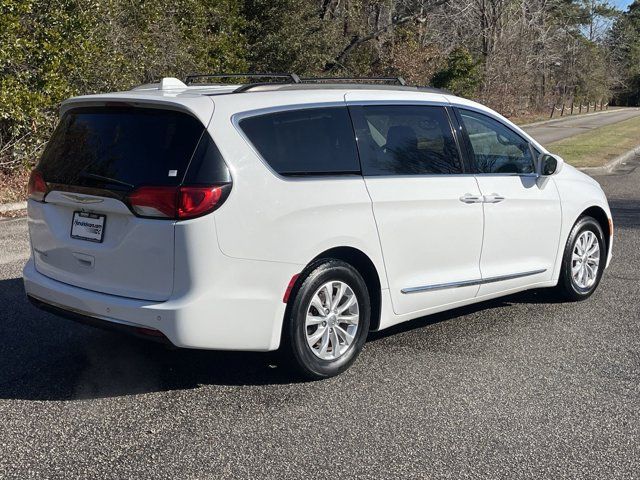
(199, 99)
(179, 92)
(300, 92)
(225, 88)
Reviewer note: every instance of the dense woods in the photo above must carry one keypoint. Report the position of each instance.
(518, 56)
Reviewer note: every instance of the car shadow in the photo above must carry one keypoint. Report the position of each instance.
(44, 357)
(539, 296)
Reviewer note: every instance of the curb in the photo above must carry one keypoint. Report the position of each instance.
(12, 207)
(612, 164)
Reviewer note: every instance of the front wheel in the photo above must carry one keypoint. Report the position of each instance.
(328, 320)
(583, 262)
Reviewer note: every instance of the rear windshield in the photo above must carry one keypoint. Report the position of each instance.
(305, 142)
(117, 147)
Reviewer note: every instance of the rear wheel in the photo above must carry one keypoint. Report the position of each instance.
(328, 320)
(583, 261)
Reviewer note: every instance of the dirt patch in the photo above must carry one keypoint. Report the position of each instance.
(13, 186)
(14, 214)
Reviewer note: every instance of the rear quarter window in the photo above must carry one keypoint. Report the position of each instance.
(305, 142)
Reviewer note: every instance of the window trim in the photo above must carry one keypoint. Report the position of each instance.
(358, 119)
(466, 141)
(314, 176)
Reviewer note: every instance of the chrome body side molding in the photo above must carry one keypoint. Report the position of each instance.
(469, 283)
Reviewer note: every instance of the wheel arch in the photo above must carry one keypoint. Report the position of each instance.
(601, 217)
(363, 264)
(369, 272)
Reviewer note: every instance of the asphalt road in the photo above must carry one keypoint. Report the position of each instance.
(565, 127)
(521, 387)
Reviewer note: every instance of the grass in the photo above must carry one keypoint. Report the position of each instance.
(597, 147)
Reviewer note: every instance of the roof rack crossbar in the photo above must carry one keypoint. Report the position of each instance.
(397, 80)
(288, 77)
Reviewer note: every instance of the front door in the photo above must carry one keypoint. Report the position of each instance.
(427, 209)
(521, 209)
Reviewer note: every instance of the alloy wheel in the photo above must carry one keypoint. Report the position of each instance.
(585, 260)
(332, 320)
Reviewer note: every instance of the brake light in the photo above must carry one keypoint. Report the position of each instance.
(37, 188)
(179, 203)
(195, 201)
(154, 201)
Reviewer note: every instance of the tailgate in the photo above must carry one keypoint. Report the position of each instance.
(85, 232)
(134, 258)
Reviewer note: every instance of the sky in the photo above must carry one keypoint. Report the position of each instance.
(622, 4)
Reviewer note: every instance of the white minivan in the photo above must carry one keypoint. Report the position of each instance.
(299, 214)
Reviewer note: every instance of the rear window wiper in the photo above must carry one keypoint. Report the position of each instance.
(113, 181)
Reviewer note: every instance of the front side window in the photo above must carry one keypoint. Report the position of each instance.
(305, 142)
(406, 140)
(495, 147)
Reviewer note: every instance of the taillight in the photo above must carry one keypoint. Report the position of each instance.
(179, 203)
(37, 188)
(154, 201)
(195, 201)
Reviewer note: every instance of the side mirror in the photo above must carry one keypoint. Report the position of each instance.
(549, 164)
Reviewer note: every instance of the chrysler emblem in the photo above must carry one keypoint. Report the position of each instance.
(81, 199)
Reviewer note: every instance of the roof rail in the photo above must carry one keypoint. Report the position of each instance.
(395, 80)
(287, 77)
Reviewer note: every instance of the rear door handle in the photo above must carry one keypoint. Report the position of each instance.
(469, 198)
(493, 198)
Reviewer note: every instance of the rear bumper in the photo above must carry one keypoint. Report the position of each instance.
(244, 314)
(94, 321)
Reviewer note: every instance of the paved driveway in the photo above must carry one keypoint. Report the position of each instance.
(521, 387)
(565, 127)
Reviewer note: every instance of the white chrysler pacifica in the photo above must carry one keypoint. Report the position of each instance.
(300, 214)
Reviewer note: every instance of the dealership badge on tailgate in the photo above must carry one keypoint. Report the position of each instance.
(88, 226)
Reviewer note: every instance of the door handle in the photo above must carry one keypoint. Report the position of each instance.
(493, 198)
(469, 198)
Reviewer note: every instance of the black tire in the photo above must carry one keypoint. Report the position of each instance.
(567, 288)
(296, 350)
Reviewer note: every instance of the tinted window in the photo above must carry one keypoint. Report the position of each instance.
(207, 166)
(129, 145)
(406, 140)
(310, 141)
(495, 147)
